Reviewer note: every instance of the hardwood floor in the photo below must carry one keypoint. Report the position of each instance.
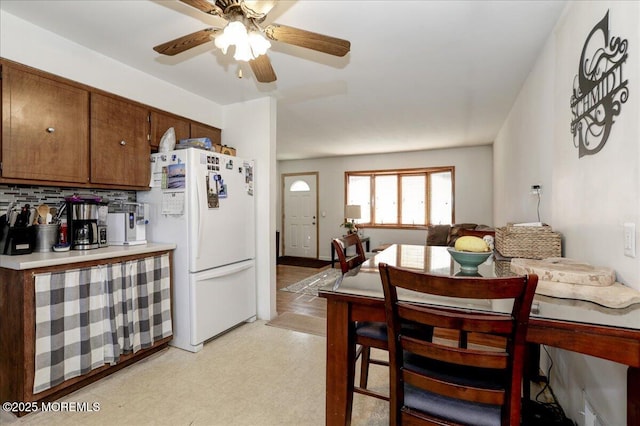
(298, 303)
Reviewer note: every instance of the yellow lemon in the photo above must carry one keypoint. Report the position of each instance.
(469, 243)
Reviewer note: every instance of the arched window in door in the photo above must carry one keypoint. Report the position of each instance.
(299, 186)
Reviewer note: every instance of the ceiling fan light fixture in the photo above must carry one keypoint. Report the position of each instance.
(259, 44)
(249, 38)
(243, 52)
(257, 9)
(248, 45)
(231, 35)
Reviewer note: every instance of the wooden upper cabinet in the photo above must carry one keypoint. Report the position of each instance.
(119, 142)
(45, 128)
(58, 132)
(161, 122)
(199, 130)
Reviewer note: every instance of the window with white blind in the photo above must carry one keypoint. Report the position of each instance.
(404, 198)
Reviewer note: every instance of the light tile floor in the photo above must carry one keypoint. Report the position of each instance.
(254, 375)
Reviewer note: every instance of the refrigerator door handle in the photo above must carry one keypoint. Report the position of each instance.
(198, 206)
(225, 270)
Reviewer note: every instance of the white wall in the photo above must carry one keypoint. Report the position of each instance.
(25, 43)
(523, 157)
(259, 138)
(473, 199)
(586, 199)
(22, 42)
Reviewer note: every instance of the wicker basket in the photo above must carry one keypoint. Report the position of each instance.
(530, 242)
(503, 268)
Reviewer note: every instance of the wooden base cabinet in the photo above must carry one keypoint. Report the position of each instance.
(17, 335)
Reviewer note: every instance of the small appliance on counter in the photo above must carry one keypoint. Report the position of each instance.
(103, 234)
(127, 223)
(82, 221)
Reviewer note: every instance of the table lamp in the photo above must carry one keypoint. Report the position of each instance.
(353, 212)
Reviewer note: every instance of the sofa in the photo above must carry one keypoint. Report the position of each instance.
(446, 235)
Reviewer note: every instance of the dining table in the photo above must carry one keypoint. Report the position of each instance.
(571, 324)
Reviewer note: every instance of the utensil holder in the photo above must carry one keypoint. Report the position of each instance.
(46, 237)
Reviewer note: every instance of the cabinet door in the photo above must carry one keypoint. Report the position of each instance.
(199, 130)
(119, 146)
(45, 128)
(161, 122)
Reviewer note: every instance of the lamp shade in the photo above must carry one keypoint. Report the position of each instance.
(352, 211)
(249, 45)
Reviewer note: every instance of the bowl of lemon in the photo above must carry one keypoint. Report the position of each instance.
(470, 252)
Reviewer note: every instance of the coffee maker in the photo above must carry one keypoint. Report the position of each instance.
(82, 221)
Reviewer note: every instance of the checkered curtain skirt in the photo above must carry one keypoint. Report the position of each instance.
(86, 318)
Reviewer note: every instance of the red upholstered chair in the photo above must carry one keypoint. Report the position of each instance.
(435, 383)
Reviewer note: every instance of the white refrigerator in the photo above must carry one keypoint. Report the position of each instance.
(203, 202)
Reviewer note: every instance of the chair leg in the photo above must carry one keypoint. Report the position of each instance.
(364, 366)
(365, 353)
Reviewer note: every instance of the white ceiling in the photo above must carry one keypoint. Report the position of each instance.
(420, 74)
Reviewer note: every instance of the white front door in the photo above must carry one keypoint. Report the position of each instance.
(300, 223)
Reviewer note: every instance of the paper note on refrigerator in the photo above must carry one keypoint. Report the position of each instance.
(173, 202)
(213, 201)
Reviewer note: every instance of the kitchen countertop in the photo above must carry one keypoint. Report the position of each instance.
(40, 260)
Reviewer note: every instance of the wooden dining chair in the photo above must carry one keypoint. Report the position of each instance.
(432, 382)
(368, 334)
(463, 338)
(341, 246)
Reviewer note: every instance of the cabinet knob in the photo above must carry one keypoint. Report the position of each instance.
(50, 129)
(123, 143)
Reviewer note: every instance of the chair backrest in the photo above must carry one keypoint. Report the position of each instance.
(491, 375)
(342, 244)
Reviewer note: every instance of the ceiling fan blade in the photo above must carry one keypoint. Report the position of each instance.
(308, 39)
(261, 67)
(183, 43)
(202, 5)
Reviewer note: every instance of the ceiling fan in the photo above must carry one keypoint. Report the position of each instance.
(251, 40)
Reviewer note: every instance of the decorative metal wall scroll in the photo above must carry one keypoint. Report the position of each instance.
(598, 89)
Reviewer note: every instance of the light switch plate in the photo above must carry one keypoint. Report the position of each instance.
(630, 239)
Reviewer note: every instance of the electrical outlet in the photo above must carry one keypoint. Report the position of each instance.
(536, 189)
(630, 239)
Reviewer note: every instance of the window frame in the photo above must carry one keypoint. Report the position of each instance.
(427, 171)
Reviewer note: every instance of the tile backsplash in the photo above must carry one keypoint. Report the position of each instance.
(53, 196)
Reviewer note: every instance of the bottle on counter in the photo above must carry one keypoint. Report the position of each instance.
(63, 232)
